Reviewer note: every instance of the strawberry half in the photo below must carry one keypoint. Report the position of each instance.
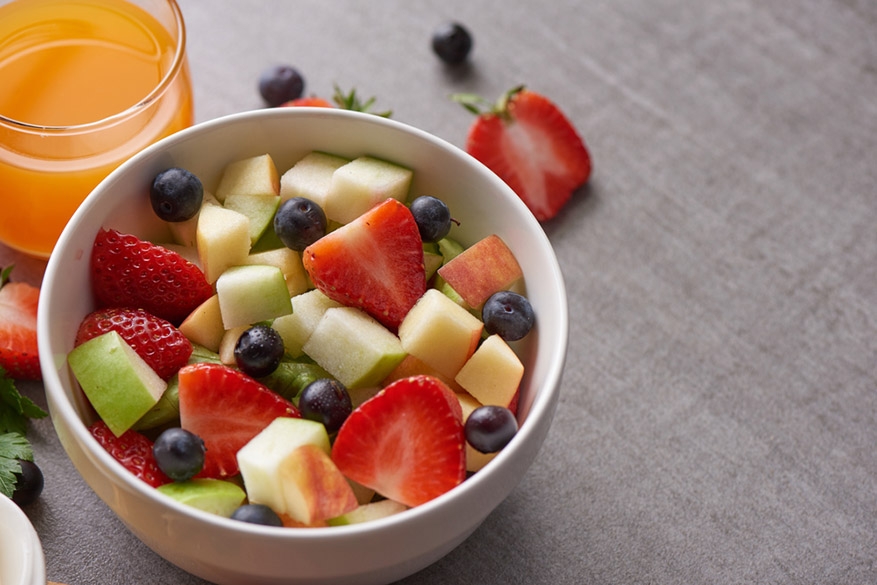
(133, 450)
(531, 145)
(19, 355)
(156, 340)
(226, 408)
(374, 262)
(129, 272)
(407, 442)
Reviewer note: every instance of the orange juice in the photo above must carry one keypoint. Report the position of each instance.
(84, 85)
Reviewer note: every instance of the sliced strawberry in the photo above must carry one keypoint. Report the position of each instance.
(531, 145)
(18, 329)
(407, 442)
(129, 272)
(375, 263)
(157, 341)
(133, 450)
(226, 408)
(310, 101)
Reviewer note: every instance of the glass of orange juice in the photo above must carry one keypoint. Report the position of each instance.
(84, 85)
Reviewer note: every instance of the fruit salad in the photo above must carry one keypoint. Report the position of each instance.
(308, 348)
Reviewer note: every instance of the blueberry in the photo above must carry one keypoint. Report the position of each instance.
(28, 483)
(432, 216)
(326, 401)
(508, 315)
(258, 351)
(179, 453)
(279, 84)
(299, 222)
(490, 428)
(452, 43)
(176, 195)
(257, 514)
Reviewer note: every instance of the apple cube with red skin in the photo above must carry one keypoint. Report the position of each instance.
(486, 267)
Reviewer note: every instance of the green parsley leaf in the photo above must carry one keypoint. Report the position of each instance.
(13, 447)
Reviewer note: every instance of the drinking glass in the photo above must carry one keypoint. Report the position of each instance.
(84, 85)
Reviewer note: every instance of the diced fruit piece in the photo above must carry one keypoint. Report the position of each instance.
(19, 354)
(289, 263)
(353, 347)
(493, 373)
(133, 450)
(374, 262)
(226, 408)
(118, 383)
(489, 428)
(440, 333)
(414, 366)
(406, 443)
(204, 325)
(307, 310)
(161, 345)
(223, 239)
(179, 453)
(291, 377)
(431, 263)
(252, 293)
(508, 314)
(299, 222)
(184, 233)
(279, 84)
(531, 145)
(258, 350)
(311, 177)
(475, 460)
(363, 183)
(485, 267)
(228, 343)
(259, 209)
(256, 175)
(166, 411)
(129, 272)
(449, 249)
(214, 496)
(368, 512)
(360, 395)
(176, 195)
(287, 467)
(452, 43)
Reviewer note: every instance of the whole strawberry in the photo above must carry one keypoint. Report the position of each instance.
(18, 328)
(129, 272)
(156, 340)
(133, 450)
(531, 145)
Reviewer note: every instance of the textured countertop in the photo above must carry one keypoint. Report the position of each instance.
(717, 417)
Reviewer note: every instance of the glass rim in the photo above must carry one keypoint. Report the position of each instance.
(157, 91)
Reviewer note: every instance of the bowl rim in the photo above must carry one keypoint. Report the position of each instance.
(543, 405)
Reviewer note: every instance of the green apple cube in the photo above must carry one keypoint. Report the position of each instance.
(363, 183)
(493, 373)
(260, 209)
(440, 333)
(252, 293)
(223, 239)
(119, 384)
(215, 496)
(307, 310)
(368, 512)
(311, 177)
(288, 468)
(289, 263)
(256, 175)
(354, 347)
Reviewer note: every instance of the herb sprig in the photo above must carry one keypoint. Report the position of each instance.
(15, 412)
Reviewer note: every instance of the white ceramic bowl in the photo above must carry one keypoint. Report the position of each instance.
(21, 555)
(229, 552)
